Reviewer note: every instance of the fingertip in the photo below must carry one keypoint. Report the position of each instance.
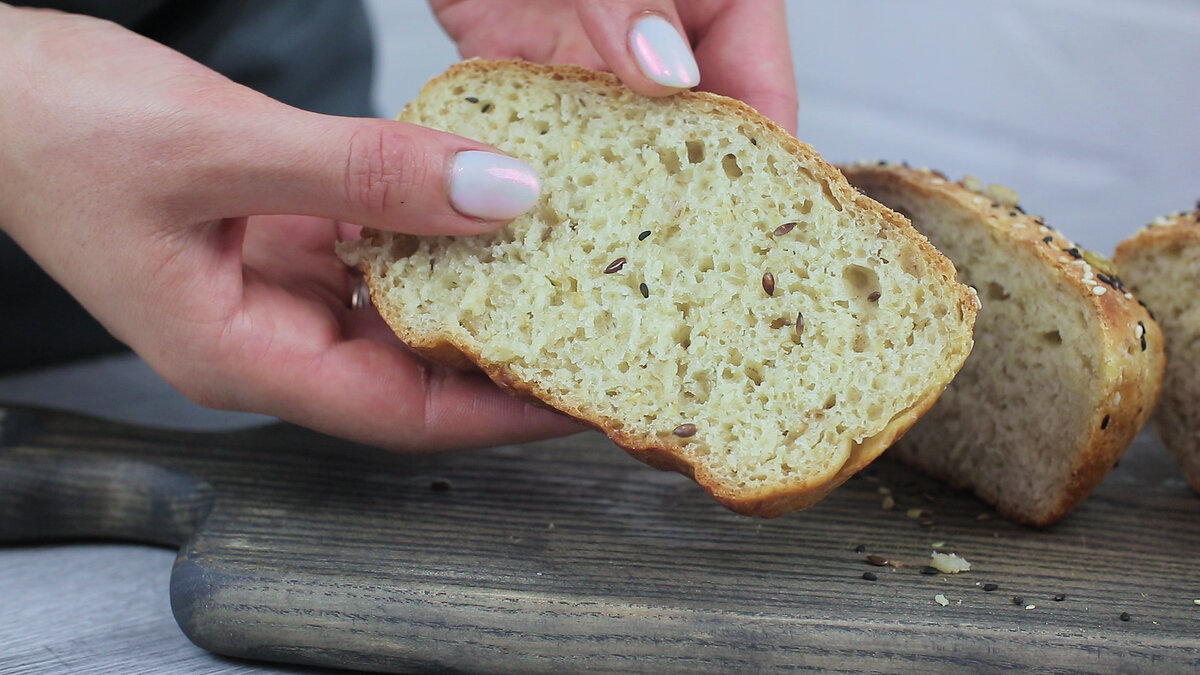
(643, 42)
(662, 53)
(492, 187)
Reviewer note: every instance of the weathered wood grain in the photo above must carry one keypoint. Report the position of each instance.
(570, 556)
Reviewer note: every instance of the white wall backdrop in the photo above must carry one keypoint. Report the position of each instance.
(1089, 109)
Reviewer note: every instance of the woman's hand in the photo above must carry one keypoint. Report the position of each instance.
(148, 185)
(738, 48)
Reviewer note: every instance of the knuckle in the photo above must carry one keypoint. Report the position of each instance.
(384, 167)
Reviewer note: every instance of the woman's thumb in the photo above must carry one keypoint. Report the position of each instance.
(377, 173)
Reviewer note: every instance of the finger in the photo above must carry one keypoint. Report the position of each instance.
(376, 173)
(746, 55)
(379, 394)
(643, 42)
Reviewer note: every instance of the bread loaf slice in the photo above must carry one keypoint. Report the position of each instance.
(1161, 263)
(694, 282)
(1066, 366)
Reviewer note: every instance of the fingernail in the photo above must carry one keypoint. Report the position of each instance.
(662, 53)
(489, 186)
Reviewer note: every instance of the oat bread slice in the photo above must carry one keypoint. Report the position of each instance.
(694, 282)
(1066, 367)
(1161, 263)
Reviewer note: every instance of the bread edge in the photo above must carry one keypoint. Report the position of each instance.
(1183, 228)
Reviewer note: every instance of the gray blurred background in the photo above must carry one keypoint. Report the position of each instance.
(1087, 108)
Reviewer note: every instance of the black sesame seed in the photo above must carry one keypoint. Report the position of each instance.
(643, 235)
(1018, 208)
(1073, 252)
(784, 229)
(753, 141)
(1147, 308)
(870, 576)
(615, 266)
(439, 485)
(1106, 279)
(1048, 239)
(799, 324)
(990, 587)
(1124, 616)
(1018, 600)
(861, 548)
(1012, 214)
(644, 289)
(1060, 597)
(995, 205)
(768, 283)
(876, 560)
(685, 430)
(882, 162)
(929, 570)
(1104, 423)
(873, 297)
(486, 107)
(472, 99)
(1143, 331)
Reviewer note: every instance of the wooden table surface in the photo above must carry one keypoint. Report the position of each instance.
(103, 607)
(1111, 589)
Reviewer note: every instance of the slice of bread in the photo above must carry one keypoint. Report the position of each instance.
(694, 282)
(1161, 263)
(1066, 366)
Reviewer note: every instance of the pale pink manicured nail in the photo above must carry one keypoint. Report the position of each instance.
(662, 53)
(489, 186)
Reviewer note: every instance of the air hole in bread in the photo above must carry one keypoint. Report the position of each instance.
(730, 164)
(828, 192)
(996, 292)
(695, 151)
(1052, 337)
(669, 159)
(862, 282)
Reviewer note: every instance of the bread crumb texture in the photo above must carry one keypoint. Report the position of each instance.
(694, 282)
(1060, 380)
(1161, 263)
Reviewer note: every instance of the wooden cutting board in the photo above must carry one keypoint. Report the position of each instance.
(570, 556)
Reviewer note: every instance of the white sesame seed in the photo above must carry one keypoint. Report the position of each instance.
(1018, 225)
(936, 181)
(1030, 606)
(1128, 295)
(941, 600)
(1099, 290)
(1138, 331)
(1196, 601)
